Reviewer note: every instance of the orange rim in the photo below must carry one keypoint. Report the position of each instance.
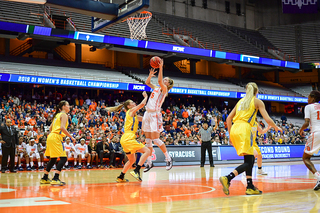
(143, 12)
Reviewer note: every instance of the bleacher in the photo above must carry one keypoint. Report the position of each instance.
(23, 13)
(303, 89)
(310, 42)
(210, 33)
(65, 72)
(283, 37)
(267, 87)
(253, 36)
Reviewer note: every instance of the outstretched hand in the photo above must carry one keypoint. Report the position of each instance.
(152, 72)
(161, 63)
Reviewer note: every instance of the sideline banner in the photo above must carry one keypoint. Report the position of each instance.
(183, 154)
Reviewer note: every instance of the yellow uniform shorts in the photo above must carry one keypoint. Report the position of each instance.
(55, 146)
(130, 144)
(256, 147)
(241, 138)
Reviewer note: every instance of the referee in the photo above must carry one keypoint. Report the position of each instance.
(205, 141)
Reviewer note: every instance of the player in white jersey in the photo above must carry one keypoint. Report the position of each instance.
(42, 146)
(152, 119)
(70, 152)
(82, 153)
(312, 118)
(32, 150)
(22, 154)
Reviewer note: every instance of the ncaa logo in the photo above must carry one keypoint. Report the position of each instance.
(179, 49)
(138, 87)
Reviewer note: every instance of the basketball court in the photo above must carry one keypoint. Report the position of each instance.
(182, 189)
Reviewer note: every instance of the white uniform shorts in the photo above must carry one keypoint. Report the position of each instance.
(152, 122)
(313, 143)
(70, 154)
(35, 155)
(0, 152)
(83, 156)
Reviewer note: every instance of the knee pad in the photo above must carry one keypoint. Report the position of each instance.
(148, 142)
(158, 142)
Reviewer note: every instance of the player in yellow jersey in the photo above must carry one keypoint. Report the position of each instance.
(128, 140)
(55, 148)
(243, 116)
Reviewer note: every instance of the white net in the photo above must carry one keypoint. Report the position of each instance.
(138, 24)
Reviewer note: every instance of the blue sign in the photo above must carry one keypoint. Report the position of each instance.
(191, 91)
(266, 97)
(136, 87)
(139, 87)
(67, 82)
(267, 152)
(144, 44)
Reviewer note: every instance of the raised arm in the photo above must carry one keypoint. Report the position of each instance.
(160, 78)
(136, 108)
(261, 107)
(148, 81)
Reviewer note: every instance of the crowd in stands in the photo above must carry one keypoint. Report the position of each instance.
(98, 132)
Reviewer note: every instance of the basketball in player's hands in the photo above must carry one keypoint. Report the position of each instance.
(155, 61)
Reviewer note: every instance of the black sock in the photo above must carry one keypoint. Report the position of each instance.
(230, 176)
(259, 167)
(137, 169)
(45, 176)
(56, 176)
(249, 183)
(121, 176)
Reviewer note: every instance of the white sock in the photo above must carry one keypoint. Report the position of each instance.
(42, 163)
(88, 164)
(27, 164)
(317, 175)
(167, 156)
(39, 164)
(66, 163)
(149, 160)
(20, 165)
(31, 163)
(0, 166)
(80, 164)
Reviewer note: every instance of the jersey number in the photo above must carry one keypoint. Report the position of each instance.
(318, 115)
(152, 95)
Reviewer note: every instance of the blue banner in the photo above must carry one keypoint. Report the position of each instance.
(136, 87)
(45, 31)
(67, 82)
(191, 91)
(281, 98)
(268, 152)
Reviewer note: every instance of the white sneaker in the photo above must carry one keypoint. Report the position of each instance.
(169, 164)
(261, 172)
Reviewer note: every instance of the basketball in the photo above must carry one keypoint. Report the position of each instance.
(154, 62)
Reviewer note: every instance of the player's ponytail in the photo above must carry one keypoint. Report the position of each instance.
(58, 108)
(171, 82)
(251, 91)
(316, 95)
(119, 107)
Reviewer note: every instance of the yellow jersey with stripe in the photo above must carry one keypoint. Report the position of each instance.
(56, 124)
(248, 115)
(254, 130)
(131, 123)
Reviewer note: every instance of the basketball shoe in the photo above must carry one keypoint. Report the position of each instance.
(225, 184)
(148, 167)
(136, 175)
(120, 180)
(169, 164)
(57, 182)
(261, 172)
(253, 191)
(45, 181)
(317, 186)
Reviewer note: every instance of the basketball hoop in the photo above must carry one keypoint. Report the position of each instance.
(138, 24)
